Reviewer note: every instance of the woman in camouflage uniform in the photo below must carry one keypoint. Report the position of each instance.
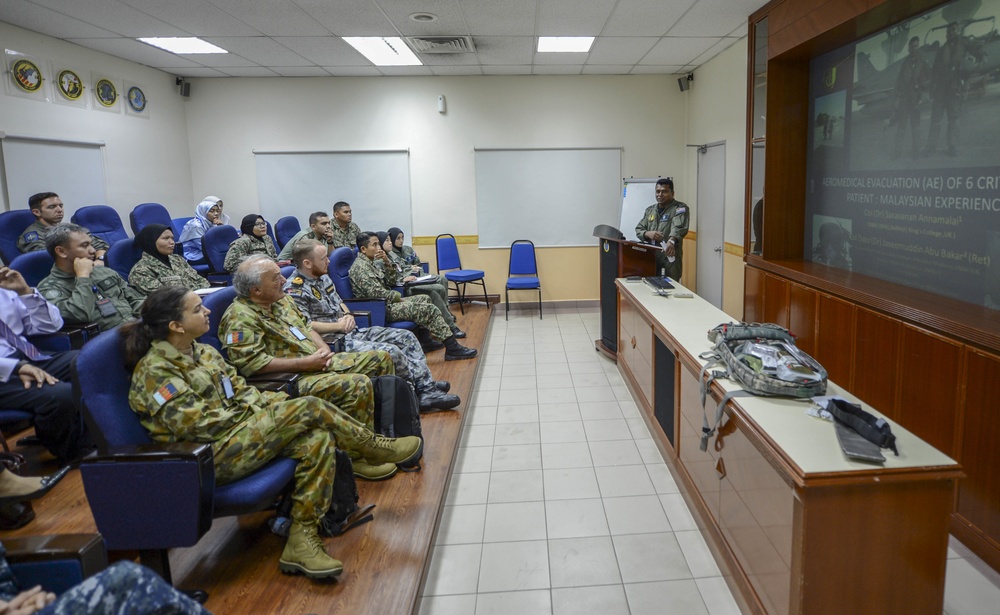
(184, 391)
(409, 266)
(254, 240)
(159, 266)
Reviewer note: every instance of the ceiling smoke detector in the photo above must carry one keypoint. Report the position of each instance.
(441, 44)
(424, 17)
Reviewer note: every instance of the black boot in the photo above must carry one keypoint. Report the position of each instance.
(455, 351)
(427, 343)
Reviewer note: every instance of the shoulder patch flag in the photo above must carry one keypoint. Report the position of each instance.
(234, 337)
(165, 393)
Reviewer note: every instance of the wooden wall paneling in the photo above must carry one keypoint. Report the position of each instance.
(876, 357)
(930, 368)
(753, 294)
(700, 465)
(776, 300)
(835, 338)
(979, 493)
(802, 316)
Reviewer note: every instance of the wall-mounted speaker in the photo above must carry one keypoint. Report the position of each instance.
(183, 87)
(684, 83)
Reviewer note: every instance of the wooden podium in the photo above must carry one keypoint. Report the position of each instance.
(619, 258)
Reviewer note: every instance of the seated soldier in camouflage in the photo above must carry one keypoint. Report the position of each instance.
(252, 240)
(48, 210)
(83, 292)
(184, 392)
(262, 331)
(159, 266)
(313, 292)
(408, 269)
(371, 282)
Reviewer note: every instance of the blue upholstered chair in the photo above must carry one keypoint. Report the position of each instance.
(149, 496)
(522, 273)
(102, 221)
(178, 225)
(148, 213)
(215, 244)
(446, 250)
(57, 562)
(12, 224)
(122, 256)
(33, 266)
(339, 271)
(285, 229)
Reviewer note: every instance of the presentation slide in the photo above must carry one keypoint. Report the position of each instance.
(903, 162)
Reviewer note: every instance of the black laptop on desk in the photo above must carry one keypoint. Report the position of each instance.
(658, 282)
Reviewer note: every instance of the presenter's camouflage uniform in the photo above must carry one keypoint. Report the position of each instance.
(244, 246)
(437, 292)
(185, 398)
(33, 239)
(253, 336)
(672, 221)
(77, 298)
(345, 237)
(318, 300)
(371, 282)
(151, 273)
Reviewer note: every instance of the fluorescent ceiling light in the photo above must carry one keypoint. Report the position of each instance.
(384, 50)
(185, 45)
(571, 44)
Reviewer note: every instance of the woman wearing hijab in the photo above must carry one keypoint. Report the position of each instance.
(254, 240)
(409, 267)
(207, 214)
(159, 266)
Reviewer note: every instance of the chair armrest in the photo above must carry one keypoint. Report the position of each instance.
(70, 337)
(375, 307)
(151, 496)
(335, 341)
(56, 562)
(426, 266)
(364, 315)
(278, 382)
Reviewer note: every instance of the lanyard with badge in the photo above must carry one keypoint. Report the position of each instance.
(104, 305)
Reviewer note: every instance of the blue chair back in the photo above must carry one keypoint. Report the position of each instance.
(215, 244)
(102, 221)
(339, 270)
(217, 302)
(178, 225)
(33, 266)
(12, 224)
(522, 258)
(446, 251)
(101, 382)
(122, 256)
(148, 213)
(270, 232)
(285, 229)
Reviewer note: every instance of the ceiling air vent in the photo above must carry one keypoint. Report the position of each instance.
(441, 44)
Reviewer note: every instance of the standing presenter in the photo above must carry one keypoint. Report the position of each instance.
(665, 223)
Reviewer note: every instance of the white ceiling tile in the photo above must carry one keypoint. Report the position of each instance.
(198, 17)
(260, 50)
(353, 71)
(199, 71)
(218, 59)
(505, 50)
(456, 70)
(677, 50)
(740, 30)
(406, 71)
(354, 18)
(672, 69)
(714, 50)
(645, 17)
(507, 70)
(133, 50)
(449, 59)
(714, 17)
(114, 16)
(300, 71)
(249, 71)
(573, 17)
(449, 19)
(621, 69)
(273, 17)
(559, 58)
(557, 69)
(500, 17)
(620, 50)
(44, 20)
(324, 50)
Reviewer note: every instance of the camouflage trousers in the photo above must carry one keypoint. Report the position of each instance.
(421, 311)
(124, 587)
(306, 429)
(346, 382)
(402, 346)
(438, 294)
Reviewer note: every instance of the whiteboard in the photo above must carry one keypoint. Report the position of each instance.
(72, 169)
(637, 195)
(375, 183)
(554, 197)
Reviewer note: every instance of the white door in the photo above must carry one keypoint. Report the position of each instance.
(711, 219)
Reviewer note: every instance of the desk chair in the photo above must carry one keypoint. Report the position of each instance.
(446, 250)
(285, 229)
(215, 244)
(102, 221)
(522, 273)
(12, 224)
(33, 266)
(148, 213)
(150, 496)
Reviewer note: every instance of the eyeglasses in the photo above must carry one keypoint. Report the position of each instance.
(261, 223)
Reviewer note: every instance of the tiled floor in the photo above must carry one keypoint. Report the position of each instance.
(561, 503)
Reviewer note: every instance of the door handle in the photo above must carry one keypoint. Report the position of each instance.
(718, 249)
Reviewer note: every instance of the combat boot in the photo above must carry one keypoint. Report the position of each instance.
(456, 352)
(378, 449)
(305, 553)
(368, 471)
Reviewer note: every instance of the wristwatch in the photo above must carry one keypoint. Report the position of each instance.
(19, 365)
